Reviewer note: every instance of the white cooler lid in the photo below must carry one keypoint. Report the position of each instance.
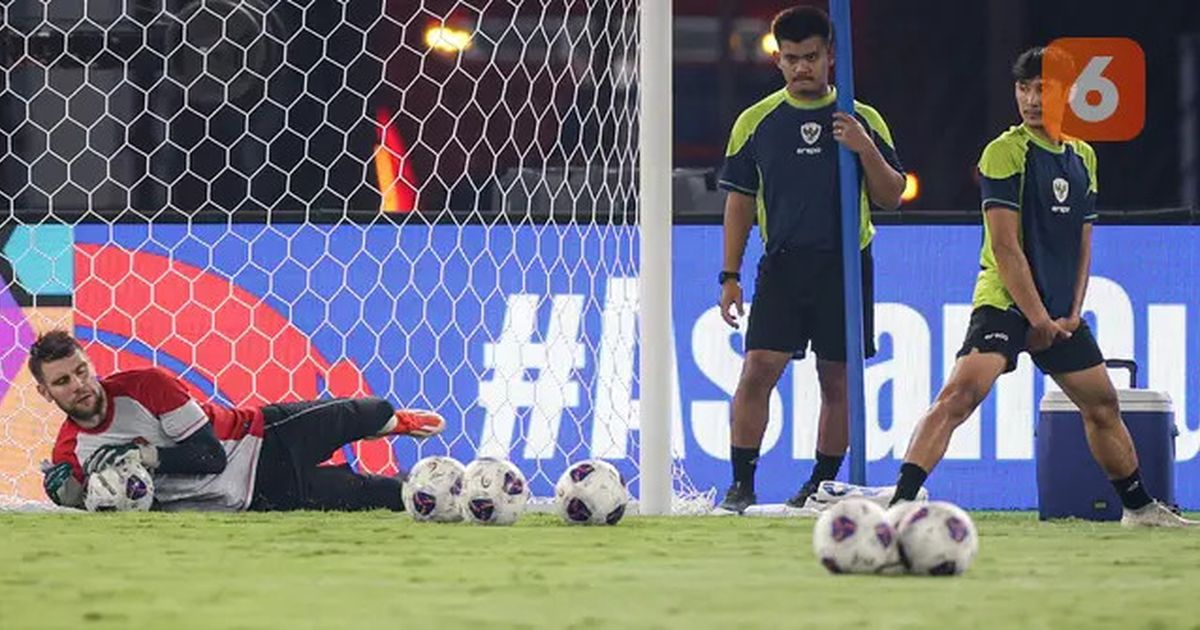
(1131, 400)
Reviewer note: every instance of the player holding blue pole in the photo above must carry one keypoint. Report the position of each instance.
(781, 167)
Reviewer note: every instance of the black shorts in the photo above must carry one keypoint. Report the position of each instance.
(1004, 332)
(799, 298)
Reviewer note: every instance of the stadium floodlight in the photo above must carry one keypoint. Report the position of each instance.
(912, 187)
(447, 39)
(768, 44)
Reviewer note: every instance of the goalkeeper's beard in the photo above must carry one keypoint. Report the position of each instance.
(85, 414)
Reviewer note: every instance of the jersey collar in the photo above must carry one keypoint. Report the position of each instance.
(818, 103)
(1038, 140)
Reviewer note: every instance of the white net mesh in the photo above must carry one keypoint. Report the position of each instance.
(431, 201)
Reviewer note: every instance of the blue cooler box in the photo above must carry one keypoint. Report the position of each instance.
(1070, 482)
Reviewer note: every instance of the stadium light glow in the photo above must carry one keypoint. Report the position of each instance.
(769, 45)
(912, 187)
(445, 39)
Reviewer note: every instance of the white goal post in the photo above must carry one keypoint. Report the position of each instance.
(656, 333)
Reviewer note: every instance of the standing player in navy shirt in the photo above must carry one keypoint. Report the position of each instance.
(782, 167)
(1039, 203)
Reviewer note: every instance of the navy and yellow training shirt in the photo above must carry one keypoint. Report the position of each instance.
(1054, 190)
(782, 152)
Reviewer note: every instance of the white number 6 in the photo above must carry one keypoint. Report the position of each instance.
(1091, 80)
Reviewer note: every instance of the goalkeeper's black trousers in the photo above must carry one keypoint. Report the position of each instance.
(299, 436)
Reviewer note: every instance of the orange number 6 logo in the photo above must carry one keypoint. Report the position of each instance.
(1094, 88)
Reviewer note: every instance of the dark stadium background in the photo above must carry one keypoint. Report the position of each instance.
(936, 69)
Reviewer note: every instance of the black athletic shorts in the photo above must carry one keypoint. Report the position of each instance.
(799, 298)
(1004, 332)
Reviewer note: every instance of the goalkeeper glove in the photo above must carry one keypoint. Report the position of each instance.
(60, 485)
(111, 454)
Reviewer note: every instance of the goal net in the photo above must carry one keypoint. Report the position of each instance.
(431, 201)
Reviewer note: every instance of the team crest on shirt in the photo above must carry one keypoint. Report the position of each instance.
(1061, 189)
(810, 132)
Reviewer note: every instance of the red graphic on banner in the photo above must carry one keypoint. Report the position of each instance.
(225, 334)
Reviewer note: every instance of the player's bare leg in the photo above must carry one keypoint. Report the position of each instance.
(969, 384)
(1108, 438)
(751, 401)
(833, 429)
(751, 408)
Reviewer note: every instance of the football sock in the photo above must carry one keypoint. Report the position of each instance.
(826, 468)
(1132, 491)
(912, 477)
(745, 461)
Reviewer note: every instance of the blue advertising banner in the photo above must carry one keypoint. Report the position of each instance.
(524, 337)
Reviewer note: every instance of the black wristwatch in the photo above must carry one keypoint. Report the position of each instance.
(726, 276)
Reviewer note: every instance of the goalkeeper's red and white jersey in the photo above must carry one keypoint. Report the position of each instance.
(150, 406)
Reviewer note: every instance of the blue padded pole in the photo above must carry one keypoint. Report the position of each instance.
(848, 170)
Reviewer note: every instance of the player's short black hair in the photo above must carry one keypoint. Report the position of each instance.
(51, 346)
(1028, 65)
(799, 23)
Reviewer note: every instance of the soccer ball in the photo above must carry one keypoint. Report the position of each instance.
(494, 492)
(938, 538)
(897, 513)
(591, 492)
(433, 488)
(123, 487)
(854, 536)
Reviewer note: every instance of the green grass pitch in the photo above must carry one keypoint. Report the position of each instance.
(381, 570)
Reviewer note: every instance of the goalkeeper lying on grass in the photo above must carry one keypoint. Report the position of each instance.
(208, 457)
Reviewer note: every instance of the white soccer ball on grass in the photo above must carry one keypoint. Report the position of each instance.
(854, 536)
(494, 492)
(433, 488)
(898, 512)
(591, 492)
(938, 538)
